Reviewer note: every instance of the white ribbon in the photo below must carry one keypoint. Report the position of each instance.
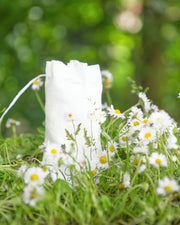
(19, 94)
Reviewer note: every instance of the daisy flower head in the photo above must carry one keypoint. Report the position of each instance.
(69, 116)
(141, 168)
(107, 79)
(147, 135)
(102, 160)
(10, 122)
(135, 125)
(161, 121)
(135, 113)
(172, 142)
(166, 186)
(174, 158)
(53, 150)
(112, 146)
(97, 115)
(123, 141)
(34, 175)
(105, 105)
(146, 122)
(135, 159)
(146, 101)
(116, 113)
(179, 95)
(126, 180)
(32, 194)
(158, 160)
(19, 156)
(37, 84)
(22, 170)
(141, 148)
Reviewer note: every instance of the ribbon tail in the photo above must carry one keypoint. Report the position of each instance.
(19, 94)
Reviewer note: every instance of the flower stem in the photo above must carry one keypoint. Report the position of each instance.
(40, 101)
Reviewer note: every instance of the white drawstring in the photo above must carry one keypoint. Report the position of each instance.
(19, 94)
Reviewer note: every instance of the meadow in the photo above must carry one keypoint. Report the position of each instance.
(134, 180)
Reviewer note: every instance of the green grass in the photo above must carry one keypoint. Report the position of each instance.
(87, 202)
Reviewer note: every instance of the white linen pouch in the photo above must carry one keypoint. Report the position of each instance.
(71, 91)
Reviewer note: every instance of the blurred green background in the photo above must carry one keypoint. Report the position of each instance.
(130, 38)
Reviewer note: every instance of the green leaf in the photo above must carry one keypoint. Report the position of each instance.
(78, 129)
(87, 139)
(61, 187)
(69, 136)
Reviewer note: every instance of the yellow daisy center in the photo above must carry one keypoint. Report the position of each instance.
(111, 148)
(121, 186)
(136, 161)
(124, 138)
(33, 196)
(106, 82)
(83, 163)
(128, 132)
(69, 115)
(147, 135)
(167, 188)
(36, 82)
(53, 151)
(103, 159)
(117, 111)
(145, 121)
(45, 169)
(93, 172)
(34, 177)
(136, 123)
(158, 161)
(158, 118)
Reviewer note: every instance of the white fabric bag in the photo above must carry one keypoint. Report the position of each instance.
(73, 97)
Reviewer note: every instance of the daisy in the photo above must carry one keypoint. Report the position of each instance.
(161, 121)
(34, 175)
(126, 181)
(146, 101)
(107, 78)
(101, 160)
(32, 194)
(145, 121)
(22, 170)
(52, 151)
(157, 160)
(172, 142)
(112, 146)
(69, 116)
(116, 113)
(11, 122)
(135, 113)
(97, 115)
(141, 148)
(174, 158)
(141, 168)
(19, 156)
(147, 135)
(105, 105)
(179, 95)
(166, 186)
(136, 158)
(135, 125)
(37, 84)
